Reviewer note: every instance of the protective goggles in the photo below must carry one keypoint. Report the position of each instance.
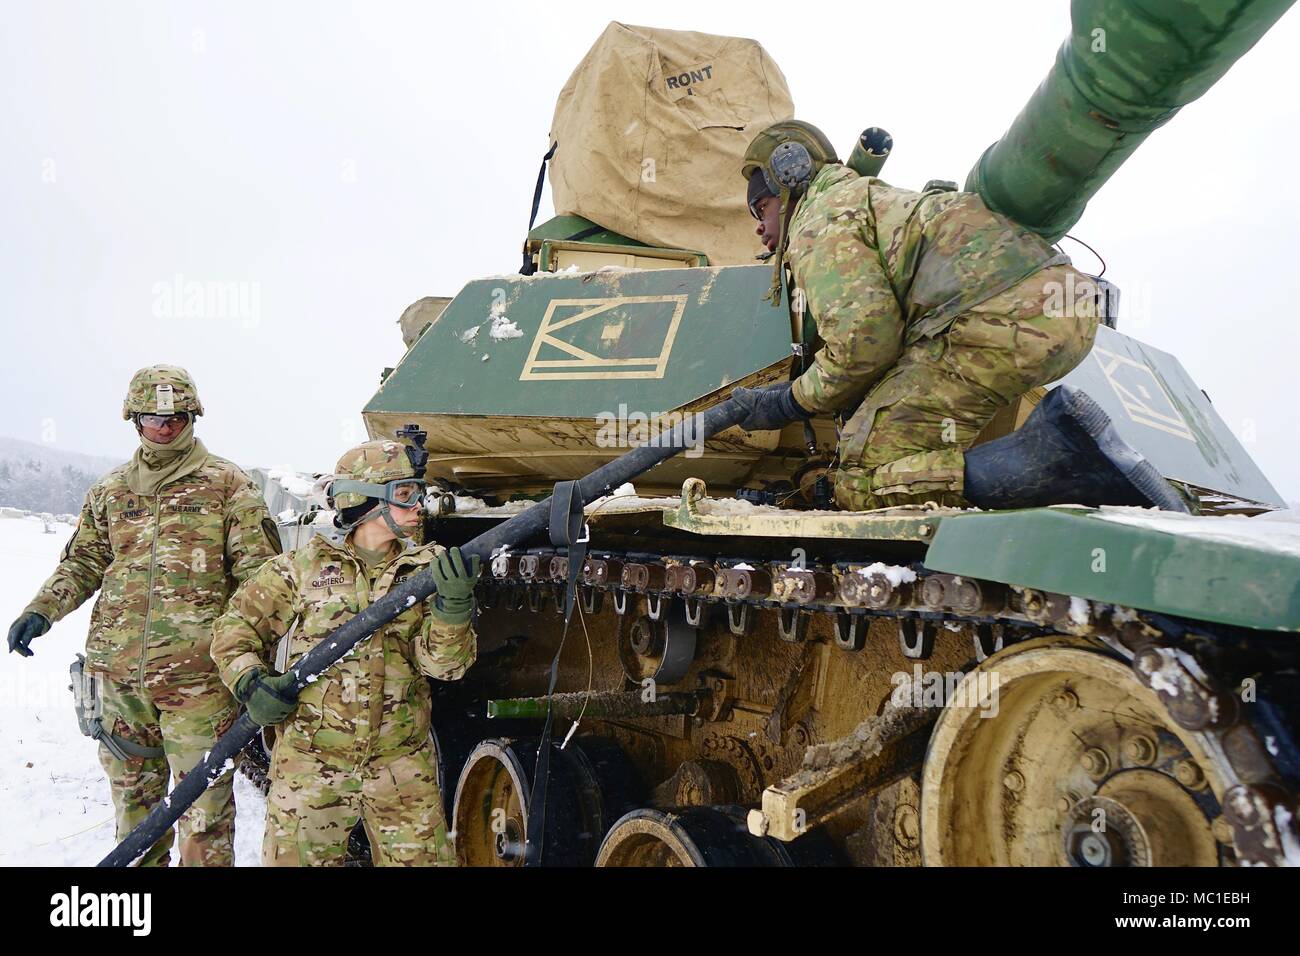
(158, 421)
(403, 492)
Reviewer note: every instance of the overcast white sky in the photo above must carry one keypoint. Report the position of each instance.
(345, 160)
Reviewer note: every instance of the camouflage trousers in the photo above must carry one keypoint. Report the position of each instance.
(185, 722)
(312, 807)
(905, 443)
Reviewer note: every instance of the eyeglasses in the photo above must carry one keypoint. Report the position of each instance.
(756, 207)
(158, 421)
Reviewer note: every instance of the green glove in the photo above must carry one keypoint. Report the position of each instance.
(454, 603)
(23, 631)
(268, 700)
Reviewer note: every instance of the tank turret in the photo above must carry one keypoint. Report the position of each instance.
(642, 303)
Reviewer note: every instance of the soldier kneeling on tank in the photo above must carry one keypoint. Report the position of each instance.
(355, 743)
(934, 312)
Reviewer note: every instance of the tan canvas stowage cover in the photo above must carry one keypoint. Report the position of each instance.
(652, 126)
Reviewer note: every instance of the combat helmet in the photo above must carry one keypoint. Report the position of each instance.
(379, 473)
(161, 390)
(787, 155)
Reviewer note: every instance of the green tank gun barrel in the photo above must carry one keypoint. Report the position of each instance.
(1127, 67)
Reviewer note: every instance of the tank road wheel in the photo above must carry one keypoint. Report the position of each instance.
(491, 811)
(591, 784)
(704, 836)
(1071, 761)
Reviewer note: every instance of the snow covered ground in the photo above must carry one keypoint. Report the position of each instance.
(54, 803)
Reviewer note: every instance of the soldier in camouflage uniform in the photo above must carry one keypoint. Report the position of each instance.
(355, 744)
(933, 313)
(165, 539)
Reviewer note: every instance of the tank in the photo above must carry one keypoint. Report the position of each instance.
(745, 676)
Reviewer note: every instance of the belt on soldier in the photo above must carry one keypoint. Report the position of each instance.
(87, 699)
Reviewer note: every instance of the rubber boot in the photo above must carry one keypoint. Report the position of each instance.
(1067, 452)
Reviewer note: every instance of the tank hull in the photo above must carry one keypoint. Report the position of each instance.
(859, 681)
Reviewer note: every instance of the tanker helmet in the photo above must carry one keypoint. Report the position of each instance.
(161, 390)
(788, 154)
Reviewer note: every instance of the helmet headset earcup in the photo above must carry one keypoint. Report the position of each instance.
(790, 166)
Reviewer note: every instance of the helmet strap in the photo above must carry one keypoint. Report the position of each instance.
(381, 510)
(392, 525)
(782, 238)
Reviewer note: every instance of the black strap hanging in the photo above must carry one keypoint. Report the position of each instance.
(121, 748)
(568, 527)
(528, 268)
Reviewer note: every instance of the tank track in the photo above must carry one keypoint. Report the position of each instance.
(255, 764)
(1200, 671)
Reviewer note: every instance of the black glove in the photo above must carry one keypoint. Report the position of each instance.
(268, 700)
(769, 407)
(455, 582)
(23, 631)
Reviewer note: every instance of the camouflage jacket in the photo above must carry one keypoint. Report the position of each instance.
(881, 268)
(374, 702)
(164, 567)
